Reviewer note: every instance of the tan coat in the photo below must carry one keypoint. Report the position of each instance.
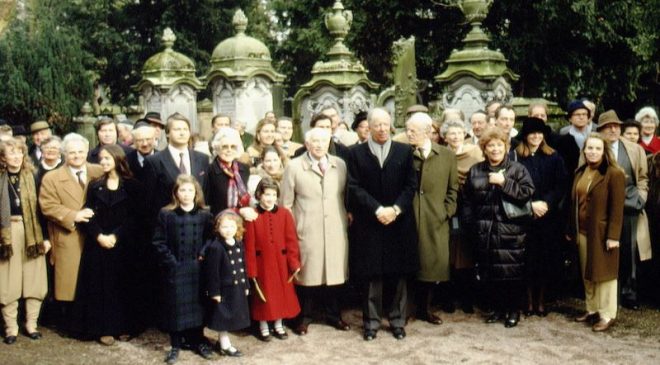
(317, 204)
(604, 201)
(21, 276)
(60, 198)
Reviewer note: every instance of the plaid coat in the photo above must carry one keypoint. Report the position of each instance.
(178, 240)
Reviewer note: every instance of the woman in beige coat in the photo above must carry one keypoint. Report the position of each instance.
(24, 244)
(313, 188)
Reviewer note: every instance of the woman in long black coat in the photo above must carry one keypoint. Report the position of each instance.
(499, 241)
(548, 173)
(105, 292)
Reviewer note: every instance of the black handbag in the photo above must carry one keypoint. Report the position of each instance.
(514, 211)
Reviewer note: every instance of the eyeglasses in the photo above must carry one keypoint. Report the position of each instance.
(229, 147)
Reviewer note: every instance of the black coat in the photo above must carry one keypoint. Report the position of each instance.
(216, 189)
(178, 241)
(134, 164)
(93, 155)
(161, 172)
(570, 153)
(544, 234)
(499, 242)
(375, 249)
(224, 275)
(106, 286)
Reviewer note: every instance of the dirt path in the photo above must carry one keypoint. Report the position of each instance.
(461, 339)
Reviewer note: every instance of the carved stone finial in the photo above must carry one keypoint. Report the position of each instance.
(168, 38)
(240, 21)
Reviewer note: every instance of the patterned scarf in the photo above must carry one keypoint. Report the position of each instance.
(237, 195)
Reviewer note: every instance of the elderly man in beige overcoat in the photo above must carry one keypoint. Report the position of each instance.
(314, 188)
(62, 197)
(434, 204)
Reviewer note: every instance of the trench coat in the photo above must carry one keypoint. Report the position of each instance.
(434, 204)
(604, 221)
(272, 254)
(317, 203)
(376, 249)
(60, 198)
(178, 241)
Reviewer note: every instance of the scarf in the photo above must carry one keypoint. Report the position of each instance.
(5, 223)
(237, 195)
(380, 150)
(33, 236)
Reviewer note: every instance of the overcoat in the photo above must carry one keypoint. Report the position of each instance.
(317, 203)
(604, 221)
(178, 240)
(218, 183)
(376, 249)
(434, 204)
(224, 275)
(272, 255)
(60, 198)
(105, 293)
(498, 241)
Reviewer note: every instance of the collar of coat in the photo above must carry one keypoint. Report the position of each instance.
(262, 210)
(602, 168)
(180, 211)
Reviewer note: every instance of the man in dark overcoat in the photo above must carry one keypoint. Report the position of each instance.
(383, 248)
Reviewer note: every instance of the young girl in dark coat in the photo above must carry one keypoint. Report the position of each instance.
(183, 227)
(226, 280)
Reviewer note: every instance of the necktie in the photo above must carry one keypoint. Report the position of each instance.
(182, 167)
(421, 153)
(80, 180)
(323, 165)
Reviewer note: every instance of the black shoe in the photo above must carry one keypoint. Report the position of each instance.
(512, 319)
(231, 352)
(399, 333)
(528, 312)
(542, 313)
(262, 337)
(172, 356)
(204, 351)
(448, 307)
(467, 308)
(369, 335)
(280, 335)
(36, 335)
(494, 318)
(10, 340)
(630, 304)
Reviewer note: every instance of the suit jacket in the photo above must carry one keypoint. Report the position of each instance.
(161, 172)
(137, 169)
(376, 249)
(60, 198)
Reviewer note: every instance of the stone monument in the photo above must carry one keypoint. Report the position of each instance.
(397, 98)
(340, 82)
(242, 80)
(169, 84)
(475, 74)
(85, 124)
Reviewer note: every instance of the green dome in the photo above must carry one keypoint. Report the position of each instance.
(168, 66)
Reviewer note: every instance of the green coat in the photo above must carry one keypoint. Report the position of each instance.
(434, 204)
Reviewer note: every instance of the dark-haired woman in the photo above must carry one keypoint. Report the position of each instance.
(103, 297)
(548, 173)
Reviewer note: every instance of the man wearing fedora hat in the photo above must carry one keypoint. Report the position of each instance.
(153, 118)
(40, 131)
(635, 240)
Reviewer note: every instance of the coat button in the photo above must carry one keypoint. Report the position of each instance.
(240, 260)
(242, 280)
(421, 192)
(242, 270)
(238, 250)
(230, 252)
(235, 282)
(234, 272)
(232, 262)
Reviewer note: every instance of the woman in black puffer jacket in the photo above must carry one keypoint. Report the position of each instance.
(498, 241)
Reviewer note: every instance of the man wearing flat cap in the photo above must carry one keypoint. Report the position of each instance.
(40, 131)
(635, 240)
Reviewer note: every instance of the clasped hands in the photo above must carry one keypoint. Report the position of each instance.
(496, 178)
(386, 215)
(107, 240)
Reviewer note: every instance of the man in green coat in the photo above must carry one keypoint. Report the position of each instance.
(434, 204)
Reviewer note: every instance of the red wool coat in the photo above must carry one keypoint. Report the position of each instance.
(272, 254)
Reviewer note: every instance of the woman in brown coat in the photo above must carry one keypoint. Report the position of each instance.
(598, 196)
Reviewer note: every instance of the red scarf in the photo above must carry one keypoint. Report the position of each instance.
(237, 195)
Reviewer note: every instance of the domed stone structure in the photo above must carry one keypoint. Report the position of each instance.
(242, 80)
(169, 83)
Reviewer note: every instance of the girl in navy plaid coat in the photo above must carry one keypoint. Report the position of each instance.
(183, 227)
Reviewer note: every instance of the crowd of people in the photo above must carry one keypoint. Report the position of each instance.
(154, 227)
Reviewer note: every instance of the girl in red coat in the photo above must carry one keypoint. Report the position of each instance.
(273, 260)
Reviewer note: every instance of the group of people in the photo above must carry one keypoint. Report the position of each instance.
(262, 230)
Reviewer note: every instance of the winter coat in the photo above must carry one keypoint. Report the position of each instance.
(178, 240)
(272, 254)
(434, 204)
(317, 203)
(225, 275)
(376, 249)
(498, 241)
(216, 190)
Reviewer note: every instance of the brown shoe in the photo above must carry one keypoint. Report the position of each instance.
(589, 318)
(107, 340)
(300, 329)
(602, 325)
(340, 325)
(432, 319)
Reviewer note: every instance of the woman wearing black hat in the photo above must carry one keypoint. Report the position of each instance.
(549, 175)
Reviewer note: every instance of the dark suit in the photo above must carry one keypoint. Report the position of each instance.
(383, 255)
(161, 172)
(134, 165)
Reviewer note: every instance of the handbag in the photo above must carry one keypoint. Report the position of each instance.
(514, 211)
